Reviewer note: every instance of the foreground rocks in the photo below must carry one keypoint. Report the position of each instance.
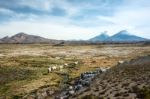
(130, 80)
(80, 85)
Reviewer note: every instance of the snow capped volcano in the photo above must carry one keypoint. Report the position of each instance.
(125, 36)
(100, 37)
(122, 36)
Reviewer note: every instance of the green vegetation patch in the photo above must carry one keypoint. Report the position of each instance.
(9, 74)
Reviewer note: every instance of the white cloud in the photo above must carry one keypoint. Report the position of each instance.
(51, 27)
(6, 11)
(46, 29)
(132, 15)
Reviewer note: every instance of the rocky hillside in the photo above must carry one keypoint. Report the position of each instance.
(129, 80)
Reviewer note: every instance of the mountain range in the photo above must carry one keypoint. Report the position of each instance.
(122, 36)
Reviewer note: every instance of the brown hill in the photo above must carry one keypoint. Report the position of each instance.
(25, 38)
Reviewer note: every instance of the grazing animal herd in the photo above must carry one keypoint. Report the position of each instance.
(60, 67)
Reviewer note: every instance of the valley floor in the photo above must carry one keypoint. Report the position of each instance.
(24, 67)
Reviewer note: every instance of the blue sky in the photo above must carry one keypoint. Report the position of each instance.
(74, 19)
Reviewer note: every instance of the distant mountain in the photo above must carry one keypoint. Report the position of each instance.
(125, 36)
(103, 36)
(122, 36)
(25, 38)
